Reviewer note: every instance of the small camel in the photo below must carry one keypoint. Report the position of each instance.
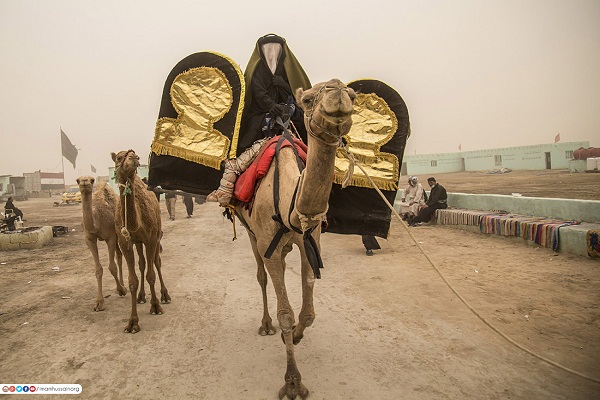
(303, 201)
(98, 223)
(137, 220)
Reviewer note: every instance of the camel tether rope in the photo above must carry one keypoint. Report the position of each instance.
(347, 179)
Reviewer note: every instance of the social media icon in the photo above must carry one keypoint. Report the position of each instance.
(26, 389)
(19, 389)
(5, 389)
(11, 389)
(32, 389)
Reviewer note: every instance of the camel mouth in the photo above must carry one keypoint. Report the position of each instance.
(336, 117)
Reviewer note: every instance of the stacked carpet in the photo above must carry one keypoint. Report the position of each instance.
(543, 231)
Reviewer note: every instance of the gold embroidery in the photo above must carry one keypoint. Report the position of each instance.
(373, 125)
(201, 96)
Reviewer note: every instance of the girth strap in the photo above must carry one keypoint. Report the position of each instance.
(310, 245)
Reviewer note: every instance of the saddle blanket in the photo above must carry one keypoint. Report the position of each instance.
(245, 186)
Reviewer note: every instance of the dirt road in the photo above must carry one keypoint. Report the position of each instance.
(387, 326)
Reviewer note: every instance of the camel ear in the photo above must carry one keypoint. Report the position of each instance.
(299, 93)
(92, 181)
(114, 156)
(77, 180)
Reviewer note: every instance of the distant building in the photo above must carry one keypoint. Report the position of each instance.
(12, 186)
(44, 182)
(536, 157)
(142, 172)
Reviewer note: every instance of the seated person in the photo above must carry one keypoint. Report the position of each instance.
(10, 207)
(438, 198)
(413, 198)
(272, 77)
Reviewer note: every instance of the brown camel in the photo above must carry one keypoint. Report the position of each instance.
(328, 116)
(137, 220)
(99, 224)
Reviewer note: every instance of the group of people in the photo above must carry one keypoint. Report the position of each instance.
(416, 206)
(171, 199)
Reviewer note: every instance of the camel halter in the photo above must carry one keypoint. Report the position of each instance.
(126, 190)
(338, 139)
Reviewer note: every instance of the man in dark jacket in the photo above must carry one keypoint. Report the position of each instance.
(438, 198)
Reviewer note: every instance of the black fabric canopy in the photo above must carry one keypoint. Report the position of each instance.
(360, 210)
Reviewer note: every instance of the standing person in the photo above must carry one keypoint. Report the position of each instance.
(413, 198)
(272, 77)
(438, 198)
(10, 207)
(152, 189)
(170, 199)
(370, 244)
(188, 200)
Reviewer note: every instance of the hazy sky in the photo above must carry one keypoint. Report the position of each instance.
(481, 73)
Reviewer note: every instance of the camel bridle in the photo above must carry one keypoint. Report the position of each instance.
(126, 190)
(337, 138)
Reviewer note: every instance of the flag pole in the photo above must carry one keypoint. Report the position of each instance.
(62, 160)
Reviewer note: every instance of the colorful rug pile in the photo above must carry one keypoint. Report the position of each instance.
(542, 231)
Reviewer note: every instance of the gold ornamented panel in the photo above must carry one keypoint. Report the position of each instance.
(201, 96)
(373, 125)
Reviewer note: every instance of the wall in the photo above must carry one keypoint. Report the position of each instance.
(563, 209)
(516, 158)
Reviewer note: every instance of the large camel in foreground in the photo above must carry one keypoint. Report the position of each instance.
(98, 223)
(328, 111)
(137, 220)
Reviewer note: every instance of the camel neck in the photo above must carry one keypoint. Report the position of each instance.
(88, 216)
(316, 180)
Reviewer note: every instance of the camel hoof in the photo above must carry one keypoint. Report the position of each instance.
(156, 309)
(121, 291)
(132, 327)
(141, 299)
(267, 330)
(165, 298)
(99, 307)
(293, 389)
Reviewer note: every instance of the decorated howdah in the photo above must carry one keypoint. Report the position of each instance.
(380, 128)
(199, 126)
(198, 123)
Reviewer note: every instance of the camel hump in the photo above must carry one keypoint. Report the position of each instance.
(103, 189)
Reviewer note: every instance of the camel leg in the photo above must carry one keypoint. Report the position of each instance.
(266, 325)
(164, 293)
(307, 313)
(293, 386)
(151, 249)
(132, 279)
(112, 267)
(141, 298)
(119, 256)
(92, 244)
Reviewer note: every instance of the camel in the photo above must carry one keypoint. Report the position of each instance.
(137, 220)
(328, 109)
(99, 224)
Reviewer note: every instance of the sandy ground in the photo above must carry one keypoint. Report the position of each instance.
(387, 326)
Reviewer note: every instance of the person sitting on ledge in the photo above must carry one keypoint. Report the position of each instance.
(438, 199)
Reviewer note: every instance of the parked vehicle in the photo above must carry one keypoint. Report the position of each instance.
(73, 195)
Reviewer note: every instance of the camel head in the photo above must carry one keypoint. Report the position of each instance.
(328, 108)
(126, 164)
(86, 184)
